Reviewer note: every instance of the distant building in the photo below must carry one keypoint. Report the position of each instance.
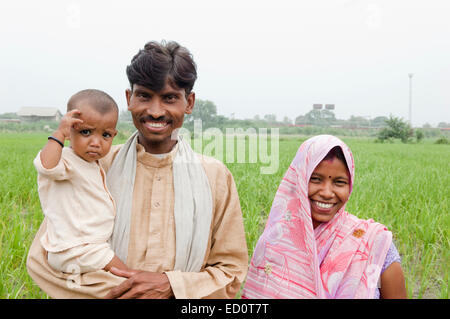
(34, 114)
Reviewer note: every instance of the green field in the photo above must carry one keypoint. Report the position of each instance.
(404, 186)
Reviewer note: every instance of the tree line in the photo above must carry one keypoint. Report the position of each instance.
(316, 121)
(206, 110)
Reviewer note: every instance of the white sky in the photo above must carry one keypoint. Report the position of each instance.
(253, 57)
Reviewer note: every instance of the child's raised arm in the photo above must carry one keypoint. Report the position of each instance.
(51, 153)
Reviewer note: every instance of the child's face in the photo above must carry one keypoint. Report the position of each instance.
(328, 190)
(92, 139)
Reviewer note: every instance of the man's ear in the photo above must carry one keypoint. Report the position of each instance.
(191, 103)
(128, 93)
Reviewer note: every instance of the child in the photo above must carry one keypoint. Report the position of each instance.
(72, 189)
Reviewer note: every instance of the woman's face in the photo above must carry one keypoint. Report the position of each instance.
(328, 190)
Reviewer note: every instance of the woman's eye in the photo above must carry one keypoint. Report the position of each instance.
(341, 183)
(315, 179)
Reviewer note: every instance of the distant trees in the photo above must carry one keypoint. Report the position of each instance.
(314, 121)
(316, 117)
(379, 121)
(9, 115)
(287, 120)
(358, 121)
(204, 110)
(327, 118)
(396, 128)
(419, 135)
(270, 118)
(125, 116)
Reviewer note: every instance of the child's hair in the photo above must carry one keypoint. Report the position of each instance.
(161, 62)
(99, 100)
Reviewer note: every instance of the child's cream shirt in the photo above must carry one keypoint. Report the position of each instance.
(76, 202)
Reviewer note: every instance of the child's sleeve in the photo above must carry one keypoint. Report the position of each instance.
(58, 173)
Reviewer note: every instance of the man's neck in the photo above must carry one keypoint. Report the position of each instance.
(158, 148)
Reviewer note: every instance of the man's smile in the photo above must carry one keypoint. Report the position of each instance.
(155, 125)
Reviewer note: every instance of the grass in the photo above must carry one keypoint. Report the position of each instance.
(404, 186)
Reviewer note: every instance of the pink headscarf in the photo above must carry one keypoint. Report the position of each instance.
(339, 259)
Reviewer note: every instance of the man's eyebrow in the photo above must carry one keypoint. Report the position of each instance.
(140, 90)
(167, 93)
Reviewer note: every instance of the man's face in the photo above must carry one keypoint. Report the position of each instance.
(157, 114)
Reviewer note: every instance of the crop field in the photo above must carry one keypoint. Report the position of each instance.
(403, 186)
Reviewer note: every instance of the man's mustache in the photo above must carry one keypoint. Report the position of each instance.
(150, 118)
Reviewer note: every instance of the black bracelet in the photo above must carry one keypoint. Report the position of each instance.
(56, 140)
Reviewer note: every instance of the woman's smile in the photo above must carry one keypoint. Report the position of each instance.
(323, 206)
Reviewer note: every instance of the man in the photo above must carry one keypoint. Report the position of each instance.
(178, 224)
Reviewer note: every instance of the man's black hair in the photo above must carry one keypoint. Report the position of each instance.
(158, 62)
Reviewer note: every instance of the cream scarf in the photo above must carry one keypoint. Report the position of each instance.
(192, 207)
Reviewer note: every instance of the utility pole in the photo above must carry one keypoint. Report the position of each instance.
(410, 98)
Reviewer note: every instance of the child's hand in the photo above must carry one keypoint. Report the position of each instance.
(51, 153)
(68, 121)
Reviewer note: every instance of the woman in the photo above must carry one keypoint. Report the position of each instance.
(311, 247)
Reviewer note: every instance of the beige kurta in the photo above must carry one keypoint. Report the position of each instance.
(152, 238)
(79, 210)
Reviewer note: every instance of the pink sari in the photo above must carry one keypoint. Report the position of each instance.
(339, 259)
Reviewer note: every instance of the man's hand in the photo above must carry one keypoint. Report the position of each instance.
(141, 285)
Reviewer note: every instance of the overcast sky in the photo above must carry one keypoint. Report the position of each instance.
(253, 57)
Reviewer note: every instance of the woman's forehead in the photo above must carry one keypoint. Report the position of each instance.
(333, 167)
